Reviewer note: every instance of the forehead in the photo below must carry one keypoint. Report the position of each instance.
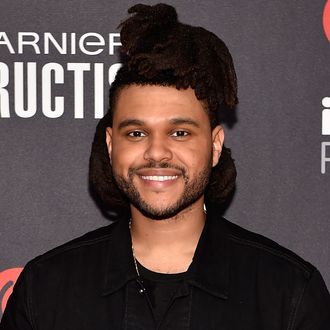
(151, 102)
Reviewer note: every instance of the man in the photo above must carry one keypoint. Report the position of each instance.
(157, 158)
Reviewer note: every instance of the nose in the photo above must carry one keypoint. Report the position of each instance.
(158, 149)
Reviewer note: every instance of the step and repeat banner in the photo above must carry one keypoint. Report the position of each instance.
(57, 61)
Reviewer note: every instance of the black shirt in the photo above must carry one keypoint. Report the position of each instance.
(238, 280)
(160, 290)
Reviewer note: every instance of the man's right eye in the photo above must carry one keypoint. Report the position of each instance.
(136, 134)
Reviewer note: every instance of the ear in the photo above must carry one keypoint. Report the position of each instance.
(218, 137)
(108, 141)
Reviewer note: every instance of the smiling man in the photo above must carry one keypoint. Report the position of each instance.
(161, 149)
(158, 158)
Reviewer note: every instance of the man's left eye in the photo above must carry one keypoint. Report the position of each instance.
(180, 133)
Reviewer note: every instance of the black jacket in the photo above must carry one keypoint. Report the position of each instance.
(238, 280)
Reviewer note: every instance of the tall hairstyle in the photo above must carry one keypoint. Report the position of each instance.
(159, 50)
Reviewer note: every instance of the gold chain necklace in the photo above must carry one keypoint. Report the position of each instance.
(139, 280)
(135, 262)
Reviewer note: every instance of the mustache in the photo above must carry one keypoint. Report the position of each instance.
(153, 164)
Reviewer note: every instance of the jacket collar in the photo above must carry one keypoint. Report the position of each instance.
(119, 261)
(208, 271)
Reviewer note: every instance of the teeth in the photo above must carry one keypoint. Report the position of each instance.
(159, 177)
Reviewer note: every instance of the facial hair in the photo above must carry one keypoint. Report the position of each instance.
(193, 189)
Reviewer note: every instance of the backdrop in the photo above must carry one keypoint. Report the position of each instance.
(56, 63)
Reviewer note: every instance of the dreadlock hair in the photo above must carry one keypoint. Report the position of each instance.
(159, 50)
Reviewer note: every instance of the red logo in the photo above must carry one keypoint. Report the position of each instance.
(7, 280)
(326, 19)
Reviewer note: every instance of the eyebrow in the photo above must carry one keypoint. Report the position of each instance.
(182, 121)
(174, 121)
(131, 122)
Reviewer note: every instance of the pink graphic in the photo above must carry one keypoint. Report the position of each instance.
(326, 19)
(8, 278)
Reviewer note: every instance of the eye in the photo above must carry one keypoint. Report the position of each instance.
(136, 134)
(180, 134)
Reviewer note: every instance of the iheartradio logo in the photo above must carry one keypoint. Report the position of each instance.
(325, 145)
(326, 116)
(326, 19)
(8, 278)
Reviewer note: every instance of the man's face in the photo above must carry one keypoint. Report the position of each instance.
(162, 148)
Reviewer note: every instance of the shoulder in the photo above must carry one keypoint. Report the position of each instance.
(88, 244)
(278, 272)
(265, 251)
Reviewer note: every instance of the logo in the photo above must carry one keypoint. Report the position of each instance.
(59, 82)
(326, 116)
(8, 278)
(325, 145)
(326, 20)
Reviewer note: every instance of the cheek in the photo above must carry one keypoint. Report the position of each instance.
(124, 157)
(196, 156)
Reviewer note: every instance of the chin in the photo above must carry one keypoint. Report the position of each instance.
(158, 215)
(163, 212)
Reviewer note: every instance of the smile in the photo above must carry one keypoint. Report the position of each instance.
(159, 177)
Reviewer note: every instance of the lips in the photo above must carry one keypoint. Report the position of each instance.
(158, 172)
(159, 177)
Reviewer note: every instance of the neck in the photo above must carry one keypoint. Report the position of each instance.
(168, 245)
